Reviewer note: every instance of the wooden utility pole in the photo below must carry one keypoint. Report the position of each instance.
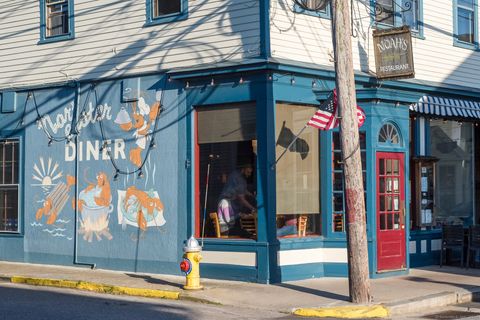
(358, 274)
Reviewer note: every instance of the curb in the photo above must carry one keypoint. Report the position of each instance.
(441, 299)
(346, 312)
(409, 306)
(95, 287)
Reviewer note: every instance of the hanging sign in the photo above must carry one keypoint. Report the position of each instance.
(393, 53)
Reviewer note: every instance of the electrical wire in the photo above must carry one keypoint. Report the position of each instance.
(41, 124)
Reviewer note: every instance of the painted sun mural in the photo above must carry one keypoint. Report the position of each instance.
(46, 173)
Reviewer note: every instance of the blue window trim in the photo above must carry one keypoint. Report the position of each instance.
(151, 20)
(463, 44)
(43, 24)
(398, 19)
(9, 135)
(325, 15)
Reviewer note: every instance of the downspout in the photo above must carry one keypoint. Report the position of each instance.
(75, 235)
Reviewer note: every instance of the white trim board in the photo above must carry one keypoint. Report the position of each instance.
(247, 259)
(317, 255)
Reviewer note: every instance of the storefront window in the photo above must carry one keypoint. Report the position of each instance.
(452, 144)
(338, 181)
(297, 173)
(227, 150)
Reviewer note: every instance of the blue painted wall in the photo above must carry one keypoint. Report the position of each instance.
(109, 233)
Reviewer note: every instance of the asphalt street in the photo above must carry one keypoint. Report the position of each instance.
(21, 302)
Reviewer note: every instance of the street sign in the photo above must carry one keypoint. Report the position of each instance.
(393, 53)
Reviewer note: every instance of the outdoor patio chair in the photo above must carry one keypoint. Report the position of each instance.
(452, 238)
(473, 243)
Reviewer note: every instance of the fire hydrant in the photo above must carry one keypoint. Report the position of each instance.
(191, 264)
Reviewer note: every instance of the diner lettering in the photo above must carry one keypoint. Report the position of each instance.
(64, 119)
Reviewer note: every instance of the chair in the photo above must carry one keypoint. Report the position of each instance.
(302, 226)
(452, 238)
(473, 243)
(216, 225)
(248, 222)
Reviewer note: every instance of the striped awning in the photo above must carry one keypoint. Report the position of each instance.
(445, 107)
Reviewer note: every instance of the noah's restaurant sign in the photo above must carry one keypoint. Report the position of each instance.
(393, 53)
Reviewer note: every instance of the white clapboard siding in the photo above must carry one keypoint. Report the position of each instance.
(111, 39)
(306, 38)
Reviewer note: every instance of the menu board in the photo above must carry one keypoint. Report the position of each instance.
(425, 184)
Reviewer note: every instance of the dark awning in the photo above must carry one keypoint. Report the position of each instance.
(445, 107)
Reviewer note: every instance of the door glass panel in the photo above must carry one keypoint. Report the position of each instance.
(382, 185)
(396, 221)
(383, 223)
(382, 166)
(389, 184)
(396, 203)
(395, 187)
(389, 202)
(395, 167)
(390, 221)
(382, 203)
(389, 166)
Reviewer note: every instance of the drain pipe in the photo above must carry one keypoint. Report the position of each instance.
(75, 233)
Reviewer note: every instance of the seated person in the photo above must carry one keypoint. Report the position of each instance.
(289, 226)
(226, 215)
(233, 202)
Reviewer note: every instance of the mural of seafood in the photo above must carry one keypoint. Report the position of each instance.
(139, 208)
(95, 206)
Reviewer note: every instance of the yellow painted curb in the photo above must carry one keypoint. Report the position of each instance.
(97, 287)
(346, 312)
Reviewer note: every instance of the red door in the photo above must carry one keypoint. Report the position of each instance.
(390, 211)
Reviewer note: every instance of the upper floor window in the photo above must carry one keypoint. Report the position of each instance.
(56, 20)
(465, 21)
(9, 180)
(323, 13)
(396, 13)
(163, 11)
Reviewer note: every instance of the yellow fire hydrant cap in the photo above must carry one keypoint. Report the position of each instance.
(192, 245)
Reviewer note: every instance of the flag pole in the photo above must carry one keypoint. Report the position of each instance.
(291, 143)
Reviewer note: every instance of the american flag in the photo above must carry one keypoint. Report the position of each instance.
(326, 117)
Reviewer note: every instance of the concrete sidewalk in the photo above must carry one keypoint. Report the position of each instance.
(421, 289)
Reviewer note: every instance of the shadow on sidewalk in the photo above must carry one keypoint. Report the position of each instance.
(152, 280)
(320, 293)
(455, 284)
